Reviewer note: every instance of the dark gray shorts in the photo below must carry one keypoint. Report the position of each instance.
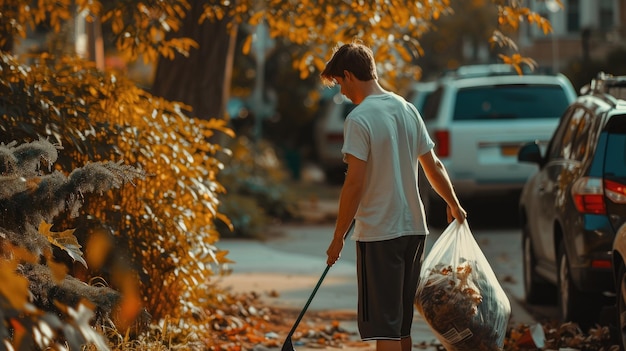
(388, 273)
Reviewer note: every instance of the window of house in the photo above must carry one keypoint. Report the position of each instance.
(605, 13)
(573, 15)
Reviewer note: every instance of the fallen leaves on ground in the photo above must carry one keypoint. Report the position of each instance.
(243, 322)
(559, 337)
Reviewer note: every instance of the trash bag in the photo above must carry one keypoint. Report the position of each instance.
(459, 296)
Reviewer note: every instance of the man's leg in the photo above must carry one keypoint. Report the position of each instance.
(389, 345)
(407, 344)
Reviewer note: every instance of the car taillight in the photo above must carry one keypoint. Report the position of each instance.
(605, 264)
(442, 143)
(615, 191)
(589, 194)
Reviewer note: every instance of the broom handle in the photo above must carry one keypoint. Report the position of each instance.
(317, 286)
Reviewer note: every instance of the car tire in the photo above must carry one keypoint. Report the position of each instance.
(621, 306)
(536, 290)
(575, 305)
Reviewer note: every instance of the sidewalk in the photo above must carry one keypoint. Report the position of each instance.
(289, 265)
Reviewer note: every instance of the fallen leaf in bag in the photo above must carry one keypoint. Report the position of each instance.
(450, 302)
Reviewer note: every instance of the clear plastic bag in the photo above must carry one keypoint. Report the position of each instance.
(459, 295)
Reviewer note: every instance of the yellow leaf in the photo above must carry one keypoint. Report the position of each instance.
(14, 287)
(58, 270)
(256, 18)
(20, 254)
(97, 249)
(247, 45)
(64, 240)
(220, 256)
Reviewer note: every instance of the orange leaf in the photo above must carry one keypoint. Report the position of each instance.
(14, 286)
(58, 270)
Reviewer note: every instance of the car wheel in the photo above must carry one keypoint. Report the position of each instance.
(621, 306)
(575, 305)
(536, 290)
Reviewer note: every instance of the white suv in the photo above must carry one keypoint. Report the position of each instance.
(478, 121)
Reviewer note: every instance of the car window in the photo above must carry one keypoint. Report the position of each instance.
(515, 101)
(420, 99)
(580, 143)
(431, 104)
(615, 162)
(573, 144)
(556, 142)
(616, 157)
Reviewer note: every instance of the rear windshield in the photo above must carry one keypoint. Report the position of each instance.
(520, 101)
(615, 163)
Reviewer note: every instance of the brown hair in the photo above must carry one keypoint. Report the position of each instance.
(355, 58)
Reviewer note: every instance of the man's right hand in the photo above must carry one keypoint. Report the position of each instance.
(457, 213)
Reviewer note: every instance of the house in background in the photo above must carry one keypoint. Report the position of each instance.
(582, 30)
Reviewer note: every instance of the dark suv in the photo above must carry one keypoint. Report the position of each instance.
(572, 207)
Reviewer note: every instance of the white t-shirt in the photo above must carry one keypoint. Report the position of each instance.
(389, 133)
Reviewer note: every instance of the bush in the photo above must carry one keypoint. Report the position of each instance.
(164, 228)
(257, 191)
(30, 199)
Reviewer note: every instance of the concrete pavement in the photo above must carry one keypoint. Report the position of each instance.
(285, 269)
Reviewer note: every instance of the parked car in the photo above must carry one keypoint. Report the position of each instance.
(479, 116)
(328, 136)
(571, 208)
(618, 166)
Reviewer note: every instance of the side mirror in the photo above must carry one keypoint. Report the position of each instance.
(530, 153)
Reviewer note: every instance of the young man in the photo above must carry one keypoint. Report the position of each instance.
(384, 139)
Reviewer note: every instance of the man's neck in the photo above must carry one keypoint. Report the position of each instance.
(367, 88)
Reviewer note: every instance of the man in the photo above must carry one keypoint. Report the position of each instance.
(384, 139)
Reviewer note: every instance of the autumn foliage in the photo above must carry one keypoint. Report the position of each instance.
(164, 225)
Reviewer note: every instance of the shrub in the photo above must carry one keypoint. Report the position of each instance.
(30, 199)
(163, 229)
(257, 192)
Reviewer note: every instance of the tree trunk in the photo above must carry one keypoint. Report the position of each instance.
(201, 80)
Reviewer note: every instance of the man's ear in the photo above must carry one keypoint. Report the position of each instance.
(347, 74)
